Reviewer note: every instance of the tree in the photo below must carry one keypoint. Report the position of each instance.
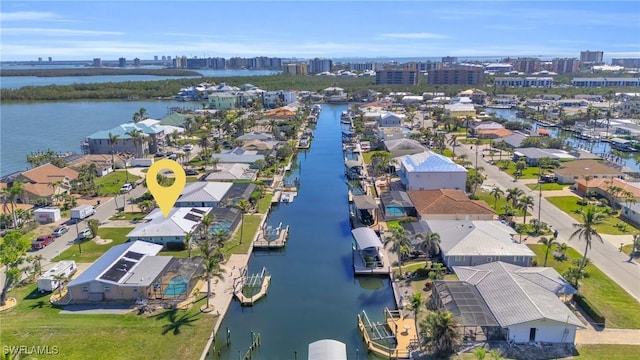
(590, 217)
(497, 193)
(60, 279)
(524, 204)
(380, 162)
(211, 265)
(112, 142)
(13, 252)
(220, 237)
(187, 242)
(453, 142)
(216, 160)
(400, 244)
(137, 137)
(513, 195)
(439, 332)
(416, 302)
(11, 194)
(140, 115)
(205, 225)
(429, 242)
(244, 206)
(93, 225)
(549, 244)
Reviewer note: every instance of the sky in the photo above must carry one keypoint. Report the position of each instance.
(70, 30)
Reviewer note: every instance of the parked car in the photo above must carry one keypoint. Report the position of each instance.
(126, 188)
(60, 231)
(84, 233)
(42, 241)
(187, 147)
(191, 172)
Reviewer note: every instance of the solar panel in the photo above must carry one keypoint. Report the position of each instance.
(133, 255)
(198, 211)
(193, 217)
(118, 270)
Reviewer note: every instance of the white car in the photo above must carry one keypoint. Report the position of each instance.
(126, 188)
(188, 147)
(84, 234)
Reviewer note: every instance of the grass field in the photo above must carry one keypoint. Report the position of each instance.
(265, 203)
(527, 173)
(502, 201)
(169, 334)
(128, 216)
(569, 205)
(547, 186)
(619, 308)
(112, 182)
(250, 228)
(90, 249)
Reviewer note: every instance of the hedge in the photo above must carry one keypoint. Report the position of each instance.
(588, 308)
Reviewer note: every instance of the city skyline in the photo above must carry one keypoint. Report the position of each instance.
(77, 30)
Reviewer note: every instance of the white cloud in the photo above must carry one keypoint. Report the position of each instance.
(28, 15)
(56, 32)
(418, 35)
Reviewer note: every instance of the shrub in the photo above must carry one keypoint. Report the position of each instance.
(175, 246)
(588, 308)
(421, 273)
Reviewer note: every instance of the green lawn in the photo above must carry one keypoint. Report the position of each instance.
(192, 178)
(265, 203)
(250, 228)
(128, 216)
(547, 186)
(619, 308)
(368, 155)
(569, 204)
(502, 201)
(175, 334)
(614, 352)
(527, 173)
(112, 182)
(90, 249)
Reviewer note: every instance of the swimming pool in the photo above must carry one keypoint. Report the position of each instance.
(177, 286)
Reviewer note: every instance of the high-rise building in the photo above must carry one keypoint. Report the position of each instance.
(136, 62)
(122, 62)
(97, 62)
(294, 69)
(591, 57)
(164, 58)
(317, 65)
(155, 58)
(458, 75)
(39, 59)
(628, 62)
(526, 65)
(50, 59)
(449, 60)
(397, 77)
(565, 66)
(217, 63)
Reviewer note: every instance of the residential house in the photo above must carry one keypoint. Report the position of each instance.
(570, 171)
(237, 192)
(630, 106)
(162, 230)
(176, 119)
(473, 242)
(364, 95)
(274, 99)
(489, 130)
(603, 186)
(533, 155)
(631, 211)
(102, 161)
(477, 96)
(239, 155)
(98, 143)
(334, 95)
(448, 204)
(429, 170)
(223, 101)
(203, 194)
(232, 172)
(389, 119)
(394, 133)
(396, 204)
(404, 146)
(45, 181)
(514, 140)
(503, 301)
(133, 272)
(459, 110)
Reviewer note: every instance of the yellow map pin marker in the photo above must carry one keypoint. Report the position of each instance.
(166, 196)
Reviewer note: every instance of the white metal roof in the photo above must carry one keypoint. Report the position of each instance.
(366, 238)
(327, 349)
(180, 221)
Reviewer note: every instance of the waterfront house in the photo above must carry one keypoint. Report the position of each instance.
(396, 204)
(448, 204)
(489, 130)
(404, 146)
(232, 172)
(412, 100)
(394, 133)
(364, 95)
(477, 96)
(527, 303)
(459, 110)
(223, 101)
(132, 272)
(533, 155)
(570, 171)
(102, 161)
(203, 194)
(389, 119)
(238, 155)
(603, 186)
(237, 192)
(476, 242)
(334, 95)
(176, 119)
(514, 140)
(429, 170)
(282, 113)
(273, 99)
(98, 143)
(45, 181)
(162, 230)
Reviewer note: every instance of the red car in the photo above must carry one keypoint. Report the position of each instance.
(42, 241)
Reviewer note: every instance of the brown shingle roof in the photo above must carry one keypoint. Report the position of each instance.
(447, 201)
(42, 190)
(604, 184)
(47, 173)
(585, 167)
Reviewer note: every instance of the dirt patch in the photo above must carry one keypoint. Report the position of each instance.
(100, 241)
(11, 302)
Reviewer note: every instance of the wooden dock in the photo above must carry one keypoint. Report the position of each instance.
(262, 241)
(246, 280)
(396, 327)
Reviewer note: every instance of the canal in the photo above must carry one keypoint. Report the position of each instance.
(313, 293)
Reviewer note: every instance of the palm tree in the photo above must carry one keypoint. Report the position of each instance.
(429, 242)
(549, 243)
(36, 260)
(214, 163)
(244, 206)
(453, 143)
(60, 278)
(211, 266)
(400, 244)
(205, 225)
(140, 115)
(416, 302)
(497, 194)
(590, 217)
(112, 142)
(220, 237)
(524, 204)
(513, 195)
(137, 136)
(93, 225)
(439, 332)
(11, 194)
(187, 242)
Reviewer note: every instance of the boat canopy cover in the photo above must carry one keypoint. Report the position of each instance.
(327, 349)
(364, 202)
(366, 238)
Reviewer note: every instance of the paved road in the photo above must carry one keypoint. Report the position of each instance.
(604, 255)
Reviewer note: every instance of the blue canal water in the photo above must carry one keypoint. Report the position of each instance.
(313, 293)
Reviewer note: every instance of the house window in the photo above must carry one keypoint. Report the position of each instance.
(107, 288)
(85, 288)
(489, 258)
(459, 258)
(518, 258)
